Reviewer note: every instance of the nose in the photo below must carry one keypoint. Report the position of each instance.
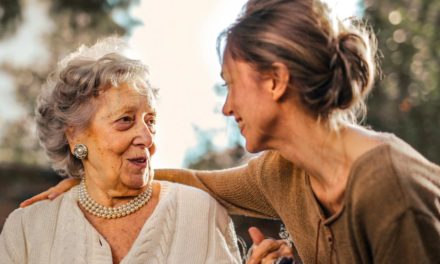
(227, 108)
(144, 137)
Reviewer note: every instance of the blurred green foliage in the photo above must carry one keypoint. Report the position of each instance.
(407, 100)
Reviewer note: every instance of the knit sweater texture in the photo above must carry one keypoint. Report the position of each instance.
(390, 212)
(187, 226)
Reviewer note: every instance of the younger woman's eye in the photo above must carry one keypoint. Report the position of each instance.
(226, 85)
(222, 89)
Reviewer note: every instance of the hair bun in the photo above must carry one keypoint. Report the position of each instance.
(352, 76)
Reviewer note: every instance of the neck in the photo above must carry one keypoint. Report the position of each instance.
(110, 195)
(327, 156)
(321, 152)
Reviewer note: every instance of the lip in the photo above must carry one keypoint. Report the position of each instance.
(139, 162)
(240, 124)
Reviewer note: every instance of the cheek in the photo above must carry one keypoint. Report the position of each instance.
(266, 125)
(117, 142)
(118, 147)
(264, 116)
(111, 149)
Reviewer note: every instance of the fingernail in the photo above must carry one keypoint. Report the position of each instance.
(51, 196)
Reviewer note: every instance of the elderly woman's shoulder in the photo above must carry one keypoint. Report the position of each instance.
(39, 213)
(191, 197)
(184, 191)
(27, 229)
(193, 201)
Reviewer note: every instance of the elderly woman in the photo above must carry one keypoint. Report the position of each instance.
(96, 120)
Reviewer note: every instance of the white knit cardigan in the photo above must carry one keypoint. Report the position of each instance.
(187, 226)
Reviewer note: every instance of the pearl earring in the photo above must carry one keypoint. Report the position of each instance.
(80, 151)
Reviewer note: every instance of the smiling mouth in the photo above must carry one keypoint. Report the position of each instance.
(240, 126)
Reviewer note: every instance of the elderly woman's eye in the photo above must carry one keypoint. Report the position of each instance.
(124, 122)
(151, 122)
(125, 119)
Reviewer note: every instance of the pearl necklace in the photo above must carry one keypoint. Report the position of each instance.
(112, 212)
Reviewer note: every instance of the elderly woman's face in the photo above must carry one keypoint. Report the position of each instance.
(120, 139)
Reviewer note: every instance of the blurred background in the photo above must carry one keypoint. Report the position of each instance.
(177, 40)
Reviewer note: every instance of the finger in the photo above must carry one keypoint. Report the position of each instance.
(51, 193)
(256, 235)
(285, 251)
(266, 247)
(270, 258)
(62, 187)
(36, 198)
(66, 185)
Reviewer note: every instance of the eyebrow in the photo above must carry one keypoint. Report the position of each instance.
(153, 113)
(126, 109)
(123, 109)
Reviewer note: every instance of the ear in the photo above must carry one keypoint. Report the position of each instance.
(71, 136)
(280, 80)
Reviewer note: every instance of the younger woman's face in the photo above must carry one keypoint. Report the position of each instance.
(249, 101)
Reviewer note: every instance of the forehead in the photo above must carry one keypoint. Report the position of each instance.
(125, 97)
(233, 69)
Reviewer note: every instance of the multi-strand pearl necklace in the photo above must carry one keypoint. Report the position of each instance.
(112, 212)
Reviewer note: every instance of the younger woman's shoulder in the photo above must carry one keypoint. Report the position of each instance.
(394, 173)
(406, 164)
(395, 158)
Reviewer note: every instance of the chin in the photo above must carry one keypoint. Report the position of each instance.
(138, 179)
(135, 182)
(255, 146)
(251, 148)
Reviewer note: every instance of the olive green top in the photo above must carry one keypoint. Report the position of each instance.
(391, 210)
